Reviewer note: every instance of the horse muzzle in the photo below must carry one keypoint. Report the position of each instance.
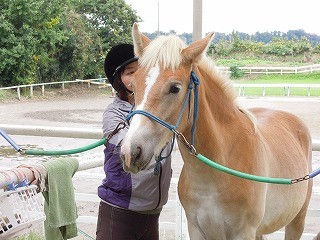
(134, 158)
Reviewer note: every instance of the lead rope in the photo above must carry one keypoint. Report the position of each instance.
(102, 141)
(160, 158)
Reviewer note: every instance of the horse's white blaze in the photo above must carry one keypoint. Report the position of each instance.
(150, 80)
(136, 120)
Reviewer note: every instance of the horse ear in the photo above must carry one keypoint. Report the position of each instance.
(140, 41)
(195, 51)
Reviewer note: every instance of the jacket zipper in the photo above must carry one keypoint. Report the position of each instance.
(159, 187)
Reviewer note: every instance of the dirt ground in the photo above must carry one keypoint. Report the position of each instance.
(85, 111)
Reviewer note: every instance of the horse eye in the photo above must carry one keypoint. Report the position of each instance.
(174, 89)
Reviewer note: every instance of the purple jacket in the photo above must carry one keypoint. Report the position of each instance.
(139, 192)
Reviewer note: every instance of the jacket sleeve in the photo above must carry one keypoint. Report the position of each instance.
(111, 118)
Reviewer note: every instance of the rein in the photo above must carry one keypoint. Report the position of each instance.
(193, 85)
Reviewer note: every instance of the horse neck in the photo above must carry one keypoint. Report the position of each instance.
(219, 120)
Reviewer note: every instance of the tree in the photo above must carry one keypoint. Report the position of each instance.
(24, 27)
(112, 18)
(31, 33)
(54, 40)
(79, 55)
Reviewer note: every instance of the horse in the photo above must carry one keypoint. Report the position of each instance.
(259, 141)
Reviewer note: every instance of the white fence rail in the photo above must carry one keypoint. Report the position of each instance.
(64, 132)
(276, 70)
(100, 81)
(286, 88)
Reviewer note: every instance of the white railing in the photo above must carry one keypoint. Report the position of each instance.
(285, 87)
(179, 225)
(96, 81)
(65, 132)
(102, 81)
(276, 70)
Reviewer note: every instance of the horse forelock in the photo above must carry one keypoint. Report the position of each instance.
(164, 51)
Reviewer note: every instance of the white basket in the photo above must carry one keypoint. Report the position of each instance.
(20, 209)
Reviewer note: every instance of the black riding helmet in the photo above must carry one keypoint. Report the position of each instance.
(117, 58)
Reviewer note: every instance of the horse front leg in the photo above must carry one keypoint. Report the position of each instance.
(294, 229)
(261, 238)
(195, 233)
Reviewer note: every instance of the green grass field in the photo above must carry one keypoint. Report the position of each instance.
(251, 59)
(301, 78)
(310, 78)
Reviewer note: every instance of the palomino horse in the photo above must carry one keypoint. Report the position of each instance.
(258, 141)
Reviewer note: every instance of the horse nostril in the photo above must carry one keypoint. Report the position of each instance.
(136, 154)
(122, 156)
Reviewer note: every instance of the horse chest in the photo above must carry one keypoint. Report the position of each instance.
(204, 208)
(210, 218)
(215, 210)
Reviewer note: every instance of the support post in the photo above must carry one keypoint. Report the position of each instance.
(19, 93)
(197, 20)
(31, 91)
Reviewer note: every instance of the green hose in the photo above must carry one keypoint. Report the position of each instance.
(241, 174)
(199, 156)
(66, 152)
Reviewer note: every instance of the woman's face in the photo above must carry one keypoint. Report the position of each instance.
(126, 75)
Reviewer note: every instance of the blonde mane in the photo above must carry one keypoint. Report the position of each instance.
(207, 64)
(164, 51)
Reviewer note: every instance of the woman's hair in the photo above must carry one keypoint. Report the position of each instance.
(115, 62)
(121, 89)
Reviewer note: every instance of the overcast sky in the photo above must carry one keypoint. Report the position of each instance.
(247, 16)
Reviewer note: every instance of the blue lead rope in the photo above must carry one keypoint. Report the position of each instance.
(314, 173)
(9, 140)
(149, 115)
(196, 82)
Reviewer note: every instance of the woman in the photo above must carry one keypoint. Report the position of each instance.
(130, 203)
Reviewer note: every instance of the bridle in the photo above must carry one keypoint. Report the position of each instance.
(193, 85)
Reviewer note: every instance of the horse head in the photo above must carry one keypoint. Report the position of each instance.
(160, 87)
